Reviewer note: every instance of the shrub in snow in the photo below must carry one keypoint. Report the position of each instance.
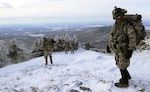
(17, 52)
(37, 48)
(3, 54)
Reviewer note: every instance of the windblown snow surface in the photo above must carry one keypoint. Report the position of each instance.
(83, 71)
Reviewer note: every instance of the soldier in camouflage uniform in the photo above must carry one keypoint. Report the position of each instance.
(72, 46)
(87, 46)
(47, 47)
(76, 45)
(122, 42)
(66, 46)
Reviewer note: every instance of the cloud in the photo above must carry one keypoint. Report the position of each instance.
(67, 10)
(6, 5)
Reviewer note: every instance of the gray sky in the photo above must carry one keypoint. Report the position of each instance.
(70, 11)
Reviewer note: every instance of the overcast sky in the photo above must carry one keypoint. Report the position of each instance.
(67, 11)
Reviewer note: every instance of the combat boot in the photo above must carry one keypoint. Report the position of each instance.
(123, 83)
(126, 75)
(51, 59)
(46, 62)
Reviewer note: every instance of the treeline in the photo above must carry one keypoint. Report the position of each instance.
(62, 43)
(13, 52)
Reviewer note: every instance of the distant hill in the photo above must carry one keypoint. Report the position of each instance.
(96, 36)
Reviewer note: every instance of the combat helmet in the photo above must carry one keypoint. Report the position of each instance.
(118, 12)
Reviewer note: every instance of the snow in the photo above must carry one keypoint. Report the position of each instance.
(84, 71)
(36, 35)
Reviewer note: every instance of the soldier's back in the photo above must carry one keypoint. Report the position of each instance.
(47, 44)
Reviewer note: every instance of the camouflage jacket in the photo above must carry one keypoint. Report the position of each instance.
(122, 37)
(48, 44)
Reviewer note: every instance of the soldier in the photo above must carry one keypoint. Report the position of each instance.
(66, 47)
(72, 46)
(122, 42)
(87, 46)
(47, 47)
(76, 45)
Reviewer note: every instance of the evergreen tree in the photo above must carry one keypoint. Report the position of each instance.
(17, 52)
(4, 60)
(37, 48)
(74, 38)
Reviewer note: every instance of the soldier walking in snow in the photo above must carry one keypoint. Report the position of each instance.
(66, 46)
(47, 47)
(122, 42)
(72, 46)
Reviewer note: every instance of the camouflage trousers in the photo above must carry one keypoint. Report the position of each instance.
(121, 61)
(47, 53)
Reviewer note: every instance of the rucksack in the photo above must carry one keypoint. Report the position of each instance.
(136, 22)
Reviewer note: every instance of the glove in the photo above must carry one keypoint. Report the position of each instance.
(108, 49)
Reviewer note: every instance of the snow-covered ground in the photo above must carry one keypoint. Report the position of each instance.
(84, 71)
